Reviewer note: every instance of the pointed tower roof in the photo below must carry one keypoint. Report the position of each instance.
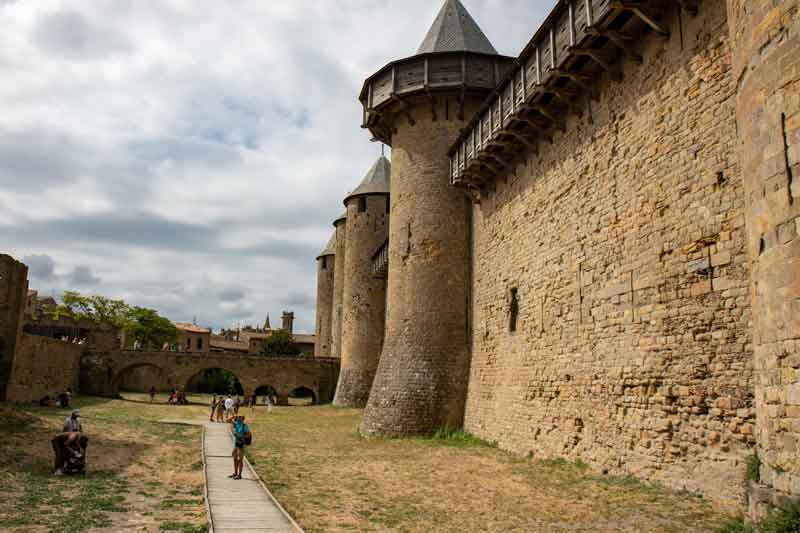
(376, 181)
(330, 248)
(454, 30)
(266, 323)
(340, 218)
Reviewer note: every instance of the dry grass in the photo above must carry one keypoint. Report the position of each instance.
(141, 475)
(144, 476)
(330, 479)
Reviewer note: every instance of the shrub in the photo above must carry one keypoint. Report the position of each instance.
(753, 467)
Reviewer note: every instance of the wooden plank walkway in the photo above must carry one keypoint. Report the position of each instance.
(236, 505)
(244, 505)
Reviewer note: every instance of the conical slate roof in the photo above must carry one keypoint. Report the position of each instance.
(376, 181)
(341, 217)
(330, 248)
(454, 30)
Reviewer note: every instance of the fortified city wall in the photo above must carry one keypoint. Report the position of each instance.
(623, 244)
(13, 296)
(324, 315)
(766, 68)
(43, 367)
(340, 226)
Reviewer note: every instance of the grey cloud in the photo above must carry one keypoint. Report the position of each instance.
(125, 228)
(82, 277)
(41, 267)
(231, 294)
(72, 36)
(299, 299)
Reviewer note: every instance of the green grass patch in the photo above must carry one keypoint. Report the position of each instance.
(458, 438)
(183, 527)
(178, 502)
(753, 468)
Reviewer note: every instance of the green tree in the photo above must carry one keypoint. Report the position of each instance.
(139, 323)
(150, 328)
(95, 308)
(280, 344)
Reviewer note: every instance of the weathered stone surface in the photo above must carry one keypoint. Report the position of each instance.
(631, 350)
(324, 310)
(338, 286)
(766, 64)
(364, 299)
(13, 295)
(43, 367)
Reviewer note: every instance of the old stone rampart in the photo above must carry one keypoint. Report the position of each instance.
(13, 297)
(766, 66)
(610, 294)
(43, 367)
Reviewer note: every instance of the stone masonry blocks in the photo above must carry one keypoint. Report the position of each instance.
(338, 287)
(766, 64)
(325, 282)
(422, 375)
(13, 295)
(363, 300)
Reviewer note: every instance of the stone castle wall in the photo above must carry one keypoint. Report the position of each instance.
(338, 288)
(43, 367)
(13, 297)
(624, 247)
(766, 65)
(325, 275)
(363, 300)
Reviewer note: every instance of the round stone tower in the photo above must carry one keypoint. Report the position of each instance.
(766, 58)
(364, 298)
(340, 225)
(418, 106)
(325, 269)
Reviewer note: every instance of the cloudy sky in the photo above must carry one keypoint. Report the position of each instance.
(189, 155)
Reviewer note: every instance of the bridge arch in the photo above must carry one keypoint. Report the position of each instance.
(214, 380)
(304, 392)
(141, 376)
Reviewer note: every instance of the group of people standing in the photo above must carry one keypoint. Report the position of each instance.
(225, 408)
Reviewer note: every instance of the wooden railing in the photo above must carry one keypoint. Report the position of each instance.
(578, 41)
(428, 74)
(380, 261)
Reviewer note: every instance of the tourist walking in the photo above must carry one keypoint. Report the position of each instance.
(268, 401)
(228, 407)
(152, 394)
(220, 409)
(241, 438)
(213, 408)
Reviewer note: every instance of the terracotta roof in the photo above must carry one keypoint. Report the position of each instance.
(376, 181)
(191, 328)
(330, 249)
(454, 30)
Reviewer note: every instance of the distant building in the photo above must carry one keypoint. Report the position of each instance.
(193, 339)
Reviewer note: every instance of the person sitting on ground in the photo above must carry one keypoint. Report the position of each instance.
(64, 398)
(241, 438)
(70, 441)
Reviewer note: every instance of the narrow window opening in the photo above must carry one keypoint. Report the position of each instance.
(200, 343)
(189, 343)
(387, 205)
(362, 204)
(324, 262)
(762, 245)
(513, 311)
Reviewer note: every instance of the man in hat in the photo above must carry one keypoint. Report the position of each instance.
(70, 440)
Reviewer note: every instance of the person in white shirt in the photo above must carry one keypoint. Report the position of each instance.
(228, 407)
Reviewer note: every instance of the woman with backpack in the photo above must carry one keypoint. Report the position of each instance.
(241, 438)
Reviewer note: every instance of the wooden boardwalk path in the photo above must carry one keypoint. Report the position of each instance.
(236, 505)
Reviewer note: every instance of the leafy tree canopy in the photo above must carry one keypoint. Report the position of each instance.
(280, 344)
(139, 323)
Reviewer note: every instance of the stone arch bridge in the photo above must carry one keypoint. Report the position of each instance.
(102, 373)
